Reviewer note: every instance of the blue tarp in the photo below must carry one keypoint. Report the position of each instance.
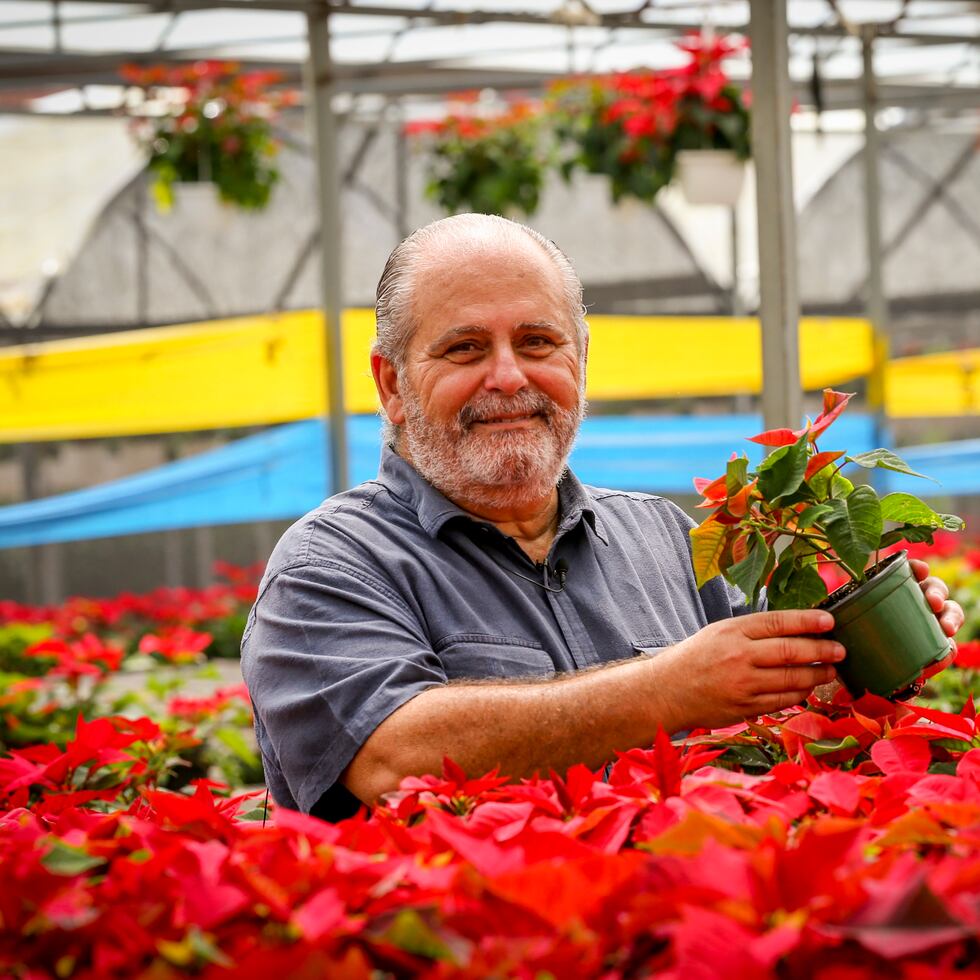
(281, 473)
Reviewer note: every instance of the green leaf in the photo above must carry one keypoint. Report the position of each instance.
(885, 459)
(412, 934)
(854, 526)
(804, 552)
(749, 758)
(206, 950)
(782, 573)
(826, 488)
(782, 471)
(236, 741)
(903, 508)
(736, 475)
(914, 535)
(63, 859)
(801, 588)
(812, 514)
(747, 574)
(824, 746)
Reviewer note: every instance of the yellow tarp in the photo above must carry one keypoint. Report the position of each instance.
(934, 384)
(247, 371)
(268, 369)
(669, 357)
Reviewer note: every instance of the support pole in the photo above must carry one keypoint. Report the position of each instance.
(738, 307)
(321, 88)
(27, 451)
(876, 303)
(779, 308)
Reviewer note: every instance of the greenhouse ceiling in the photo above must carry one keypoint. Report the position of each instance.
(63, 57)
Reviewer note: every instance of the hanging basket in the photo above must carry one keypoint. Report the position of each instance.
(711, 176)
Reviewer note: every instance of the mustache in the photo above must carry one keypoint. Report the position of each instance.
(492, 406)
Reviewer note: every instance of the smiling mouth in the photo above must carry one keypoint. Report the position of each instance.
(508, 421)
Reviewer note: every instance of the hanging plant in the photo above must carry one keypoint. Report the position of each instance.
(483, 160)
(617, 125)
(710, 112)
(631, 126)
(209, 122)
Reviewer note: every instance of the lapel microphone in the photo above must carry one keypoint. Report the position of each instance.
(560, 571)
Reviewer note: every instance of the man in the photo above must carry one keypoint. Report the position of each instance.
(476, 601)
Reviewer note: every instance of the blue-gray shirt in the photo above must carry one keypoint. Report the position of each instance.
(389, 589)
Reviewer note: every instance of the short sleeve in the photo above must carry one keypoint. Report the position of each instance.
(330, 652)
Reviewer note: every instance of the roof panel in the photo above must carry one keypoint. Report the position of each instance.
(128, 30)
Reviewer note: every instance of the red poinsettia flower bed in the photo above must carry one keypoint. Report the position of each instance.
(173, 624)
(837, 841)
(834, 841)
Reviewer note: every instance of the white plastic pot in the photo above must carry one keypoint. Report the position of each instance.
(710, 176)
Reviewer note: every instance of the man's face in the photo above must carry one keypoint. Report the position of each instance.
(491, 392)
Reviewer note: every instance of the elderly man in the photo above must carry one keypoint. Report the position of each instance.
(476, 600)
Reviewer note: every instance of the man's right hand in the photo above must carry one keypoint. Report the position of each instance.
(748, 666)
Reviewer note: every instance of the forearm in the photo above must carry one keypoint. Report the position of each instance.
(729, 670)
(520, 728)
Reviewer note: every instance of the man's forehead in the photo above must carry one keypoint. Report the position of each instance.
(516, 256)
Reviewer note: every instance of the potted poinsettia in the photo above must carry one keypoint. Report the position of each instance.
(710, 140)
(776, 526)
(483, 159)
(208, 123)
(618, 126)
(642, 128)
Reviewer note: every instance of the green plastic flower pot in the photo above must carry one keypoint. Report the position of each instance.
(885, 624)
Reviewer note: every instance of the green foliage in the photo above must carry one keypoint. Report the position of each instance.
(487, 164)
(244, 178)
(226, 635)
(777, 526)
(593, 138)
(216, 126)
(15, 638)
(627, 126)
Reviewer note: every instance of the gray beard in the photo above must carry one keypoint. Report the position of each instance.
(492, 469)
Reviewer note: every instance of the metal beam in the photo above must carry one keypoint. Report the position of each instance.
(643, 16)
(426, 76)
(321, 87)
(877, 305)
(779, 308)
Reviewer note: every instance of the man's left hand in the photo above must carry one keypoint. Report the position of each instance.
(948, 612)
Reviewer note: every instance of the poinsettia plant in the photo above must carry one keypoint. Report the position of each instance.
(630, 126)
(712, 113)
(779, 524)
(487, 160)
(209, 122)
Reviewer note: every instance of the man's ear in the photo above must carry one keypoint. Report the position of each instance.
(386, 381)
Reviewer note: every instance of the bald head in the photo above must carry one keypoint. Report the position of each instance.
(456, 242)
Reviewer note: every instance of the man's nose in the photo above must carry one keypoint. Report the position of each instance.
(505, 373)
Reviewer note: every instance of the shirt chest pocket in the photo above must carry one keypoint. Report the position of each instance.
(652, 640)
(484, 656)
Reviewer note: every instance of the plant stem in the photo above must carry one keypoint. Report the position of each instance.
(813, 542)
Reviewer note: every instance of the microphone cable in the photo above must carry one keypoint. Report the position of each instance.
(560, 572)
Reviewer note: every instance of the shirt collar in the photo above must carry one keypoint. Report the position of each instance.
(435, 510)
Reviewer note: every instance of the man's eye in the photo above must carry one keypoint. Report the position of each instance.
(538, 343)
(464, 348)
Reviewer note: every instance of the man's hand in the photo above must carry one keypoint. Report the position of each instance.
(747, 666)
(949, 613)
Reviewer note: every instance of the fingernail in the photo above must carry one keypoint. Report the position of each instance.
(824, 620)
(839, 652)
